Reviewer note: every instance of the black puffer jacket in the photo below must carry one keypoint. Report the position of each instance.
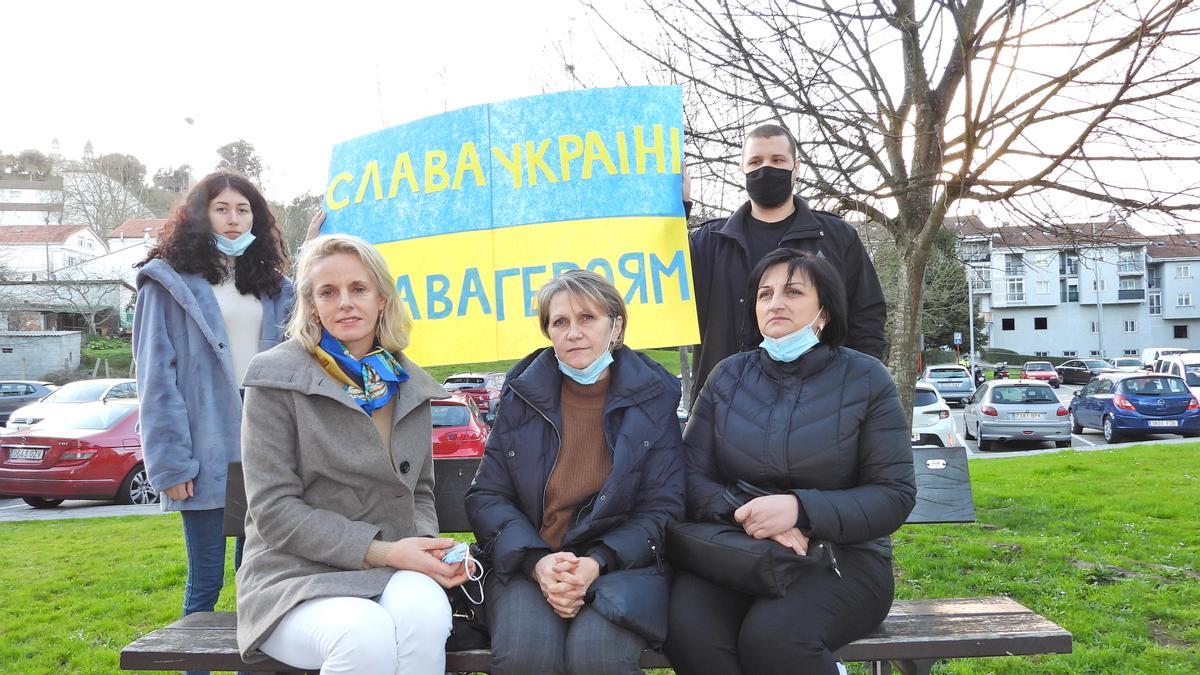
(721, 267)
(623, 523)
(828, 426)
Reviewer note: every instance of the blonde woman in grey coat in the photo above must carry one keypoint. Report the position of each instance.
(342, 568)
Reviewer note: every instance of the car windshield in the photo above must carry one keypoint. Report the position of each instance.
(1023, 394)
(454, 383)
(450, 416)
(98, 417)
(1038, 366)
(924, 397)
(947, 373)
(1153, 386)
(78, 392)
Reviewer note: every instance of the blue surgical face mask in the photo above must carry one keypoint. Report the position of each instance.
(591, 373)
(234, 247)
(793, 345)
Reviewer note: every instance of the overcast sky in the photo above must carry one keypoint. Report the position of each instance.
(292, 78)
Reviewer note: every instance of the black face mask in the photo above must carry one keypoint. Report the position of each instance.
(769, 186)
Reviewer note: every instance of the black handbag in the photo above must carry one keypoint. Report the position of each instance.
(724, 554)
(469, 618)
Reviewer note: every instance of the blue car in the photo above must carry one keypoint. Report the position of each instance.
(1134, 404)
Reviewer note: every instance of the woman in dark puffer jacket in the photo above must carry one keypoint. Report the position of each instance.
(821, 426)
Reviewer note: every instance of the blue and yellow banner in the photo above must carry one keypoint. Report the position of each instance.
(475, 209)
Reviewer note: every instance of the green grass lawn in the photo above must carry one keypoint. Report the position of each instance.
(1106, 543)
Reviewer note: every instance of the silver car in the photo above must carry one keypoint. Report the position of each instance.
(954, 383)
(1016, 410)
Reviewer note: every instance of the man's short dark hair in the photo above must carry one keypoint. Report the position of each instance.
(831, 292)
(771, 131)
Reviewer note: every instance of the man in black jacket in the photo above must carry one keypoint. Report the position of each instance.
(725, 250)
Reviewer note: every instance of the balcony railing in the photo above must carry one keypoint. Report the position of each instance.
(1131, 294)
(1131, 267)
(1014, 298)
(976, 256)
(981, 285)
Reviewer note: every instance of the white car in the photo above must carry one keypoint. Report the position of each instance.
(1183, 364)
(931, 423)
(67, 398)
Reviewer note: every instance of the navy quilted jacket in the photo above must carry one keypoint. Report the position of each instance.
(828, 426)
(624, 522)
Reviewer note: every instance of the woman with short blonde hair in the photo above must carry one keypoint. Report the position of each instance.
(343, 569)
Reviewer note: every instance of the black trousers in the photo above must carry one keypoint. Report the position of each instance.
(719, 631)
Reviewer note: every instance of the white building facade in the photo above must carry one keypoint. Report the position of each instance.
(1094, 289)
(25, 201)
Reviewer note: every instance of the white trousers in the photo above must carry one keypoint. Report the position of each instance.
(403, 632)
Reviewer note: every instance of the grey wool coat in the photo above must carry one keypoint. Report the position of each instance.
(320, 486)
(190, 406)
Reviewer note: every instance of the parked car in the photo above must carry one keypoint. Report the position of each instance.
(952, 382)
(20, 393)
(1152, 354)
(458, 428)
(68, 397)
(1081, 371)
(1126, 364)
(931, 423)
(483, 388)
(1016, 410)
(97, 455)
(1126, 404)
(1183, 364)
(1040, 370)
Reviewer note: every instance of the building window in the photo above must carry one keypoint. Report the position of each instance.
(1068, 291)
(1130, 326)
(1180, 332)
(975, 251)
(70, 260)
(1016, 290)
(1130, 352)
(1068, 265)
(1103, 285)
(1095, 352)
(1043, 287)
(1039, 323)
(1093, 330)
(1183, 271)
(1069, 353)
(1008, 324)
(1014, 265)
(1041, 353)
(1154, 277)
(1129, 285)
(1183, 300)
(1155, 304)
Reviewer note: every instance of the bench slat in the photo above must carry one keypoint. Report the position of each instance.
(915, 630)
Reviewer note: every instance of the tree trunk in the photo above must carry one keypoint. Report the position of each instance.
(905, 339)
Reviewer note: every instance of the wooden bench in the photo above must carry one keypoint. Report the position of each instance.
(915, 635)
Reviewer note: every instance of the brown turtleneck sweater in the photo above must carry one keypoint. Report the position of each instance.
(584, 461)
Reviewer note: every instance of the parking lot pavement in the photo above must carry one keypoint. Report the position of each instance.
(1089, 439)
(16, 510)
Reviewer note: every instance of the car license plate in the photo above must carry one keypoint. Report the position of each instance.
(25, 453)
(1027, 416)
(1164, 423)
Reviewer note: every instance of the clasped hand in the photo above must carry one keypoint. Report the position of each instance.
(424, 555)
(564, 579)
(773, 517)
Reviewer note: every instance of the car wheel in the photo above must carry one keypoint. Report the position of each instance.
(39, 503)
(136, 488)
(1062, 444)
(967, 432)
(1111, 435)
(984, 445)
(1076, 427)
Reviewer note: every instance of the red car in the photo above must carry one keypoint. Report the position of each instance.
(96, 455)
(1041, 370)
(482, 388)
(458, 428)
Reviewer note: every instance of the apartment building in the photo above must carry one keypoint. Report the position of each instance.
(1085, 289)
(25, 200)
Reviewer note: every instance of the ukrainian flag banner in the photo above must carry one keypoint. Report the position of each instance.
(475, 209)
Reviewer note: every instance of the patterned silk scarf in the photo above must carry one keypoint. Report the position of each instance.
(371, 381)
